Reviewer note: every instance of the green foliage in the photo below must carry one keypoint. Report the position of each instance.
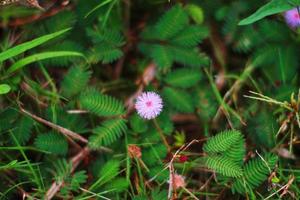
(108, 172)
(224, 166)
(70, 121)
(225, 153)
(22, 130)
(117, 185)
(62, 20)
(138, 124)
(206, 103)
(195, 12)
(107, 44)
(255, 172)
(107, 133)
(162, 50)
(262, 129)
(40, 56)
(171, 22)
(29, 45)
(62, 169)
(52, 142)
(100, 104)
(75, 81)
(183, 78)
(65, 61)
(223, 141)
(154, 154)
(172, 39)
(179, 99)
(190, 36)
(273, 7)
(77, 180)
(4, 88)
(159, 195)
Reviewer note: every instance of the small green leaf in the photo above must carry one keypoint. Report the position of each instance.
(275, 180)
(4, 88)
(273, 7)
(195, 12)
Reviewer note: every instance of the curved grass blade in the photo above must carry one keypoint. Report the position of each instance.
(29, 45)
(273, 7)
(41, 56)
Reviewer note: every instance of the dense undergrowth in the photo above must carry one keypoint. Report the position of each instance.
(223, 75)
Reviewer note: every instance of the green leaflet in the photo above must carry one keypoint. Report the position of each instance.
(75, 81)
(224, 166)
(100, 104)
(97, 7)
(41, 56)
(4, 88)
(107, 173)
(107, 133)
(172, 22)
(179, 99)
(107, 45)
(52, 142)
(183, 78)
(255, 172)
(222, 141)
(29, 45)
(273, 7)
(173, 39)
(195, 12)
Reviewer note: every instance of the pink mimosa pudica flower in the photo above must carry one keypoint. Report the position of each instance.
(149, 105)
(292, 18)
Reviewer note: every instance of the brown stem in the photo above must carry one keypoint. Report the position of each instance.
(60, 129)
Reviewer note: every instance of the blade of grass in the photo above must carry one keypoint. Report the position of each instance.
(41, 56)
(97, 7)
(35, 176)
(221, 100)
(29, 45)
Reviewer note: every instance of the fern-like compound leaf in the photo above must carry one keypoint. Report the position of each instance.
(161, 56)
(223, 141)
(75, 81)
(105, 53)
(108, 172)
(224, 166)
(172, 22)
(183, 78)
(107, 45)
(236, 152)
(107, 133)
(190, 36)
(52, 142)
(100, 104)
(22, 130)
(179, 99)
(255, 172)
(187, 56)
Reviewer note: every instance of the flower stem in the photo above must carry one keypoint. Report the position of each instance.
(161, 134)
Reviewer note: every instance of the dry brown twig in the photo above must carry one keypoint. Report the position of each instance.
(58, 128)
(36, 17)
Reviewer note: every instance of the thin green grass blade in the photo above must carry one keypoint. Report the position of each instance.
(41, 56)
(29, 45)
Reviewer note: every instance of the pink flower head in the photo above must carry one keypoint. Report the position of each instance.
(149, 105)
(292, 18)
(177, 181)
